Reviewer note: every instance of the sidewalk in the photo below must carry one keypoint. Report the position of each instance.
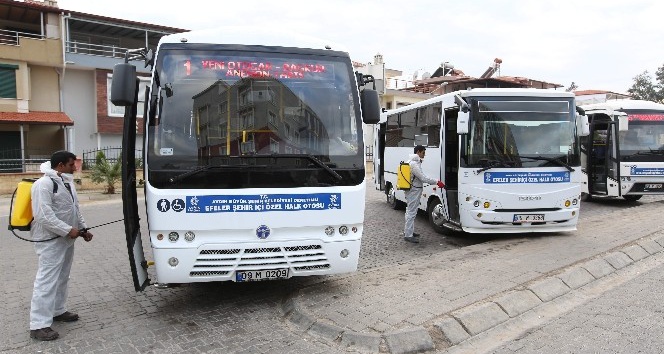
(452, 297)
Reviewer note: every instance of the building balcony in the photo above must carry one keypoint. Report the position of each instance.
(30, 48)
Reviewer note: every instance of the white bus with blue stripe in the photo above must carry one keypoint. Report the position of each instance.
(253, 157)
(624, 154)
(509, 158)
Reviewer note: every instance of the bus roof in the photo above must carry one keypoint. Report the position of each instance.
(617, 105)
(479, 92)
(269, 37)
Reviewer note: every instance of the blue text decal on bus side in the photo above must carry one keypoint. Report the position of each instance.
(646, 171)
(526, 177)
(262, 202)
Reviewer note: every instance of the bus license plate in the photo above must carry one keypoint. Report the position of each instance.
(256, 275)
(654, 186)
(528, 217)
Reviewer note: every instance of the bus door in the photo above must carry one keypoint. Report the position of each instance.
(379, 155)
(602, 164)
(450, 164)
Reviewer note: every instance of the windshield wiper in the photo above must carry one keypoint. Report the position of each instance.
(555, 160)
(196, 171)
(491, 164)
(313, 159)
(651, 152)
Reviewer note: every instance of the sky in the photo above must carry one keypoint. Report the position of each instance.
(598, 45)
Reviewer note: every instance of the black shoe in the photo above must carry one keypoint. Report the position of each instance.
(415, 234)
(44, 334)
(412, 239)
(66, 317)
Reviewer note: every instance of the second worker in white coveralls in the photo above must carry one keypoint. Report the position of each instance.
(413, 195)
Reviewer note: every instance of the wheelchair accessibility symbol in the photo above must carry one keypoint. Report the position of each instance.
(177, 205)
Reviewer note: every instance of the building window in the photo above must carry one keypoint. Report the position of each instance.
(8, 80)
(245, 97)
(247, 119)
(118, 111)
(272, 118)
(274, 146)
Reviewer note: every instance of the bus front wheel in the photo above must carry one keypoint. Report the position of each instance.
(436, 218)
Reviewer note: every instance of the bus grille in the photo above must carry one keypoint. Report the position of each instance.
(221, 262)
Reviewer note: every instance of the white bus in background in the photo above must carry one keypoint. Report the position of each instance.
(253, 157)
(624, 154)
(509, 158)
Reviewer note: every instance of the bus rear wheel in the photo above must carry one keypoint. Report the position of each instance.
(392, 199)
(632, 198)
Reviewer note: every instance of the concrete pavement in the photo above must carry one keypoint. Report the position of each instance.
(446, 300)
(439, 302)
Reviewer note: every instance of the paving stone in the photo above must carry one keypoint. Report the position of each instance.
(618, 260)
(362, 341)
(477, 319)
(301, 320)
(549, 288)
(635, 252)
(660, 241)
(515, 303)
(651, 246)
(411, 340)
(452, 330)
(576, 277)
(598, 267)
(325, 330)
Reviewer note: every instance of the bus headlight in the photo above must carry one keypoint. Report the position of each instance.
(329, 231)
(173, 236)
(567, 203)
(343, 230)
(189, 236)
(476, 203)
(173, 262)
(574, 201)
(487, 205)
(344, 253)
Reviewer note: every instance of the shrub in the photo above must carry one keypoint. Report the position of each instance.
(106, 172)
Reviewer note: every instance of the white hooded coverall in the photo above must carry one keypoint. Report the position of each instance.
(414, 194)
(54, 215)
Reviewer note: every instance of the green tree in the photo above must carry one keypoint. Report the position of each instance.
(107, 172)
(644, 88)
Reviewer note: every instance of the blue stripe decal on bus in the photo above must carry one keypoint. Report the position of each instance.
(646, 171)
(262, 202)
(526, 177)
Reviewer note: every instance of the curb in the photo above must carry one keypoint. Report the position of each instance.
(460, 325)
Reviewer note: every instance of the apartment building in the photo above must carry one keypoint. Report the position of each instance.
(55, 70)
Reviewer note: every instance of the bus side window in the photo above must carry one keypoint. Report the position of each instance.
(392, 132)
(429, 121)
(407, 123)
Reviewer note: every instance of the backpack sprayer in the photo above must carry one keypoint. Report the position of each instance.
(20, 212)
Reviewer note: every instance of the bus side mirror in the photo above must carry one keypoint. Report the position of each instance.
(370, 105)
(623, 124)
(582, 125)
(123, 85)
(462, 122)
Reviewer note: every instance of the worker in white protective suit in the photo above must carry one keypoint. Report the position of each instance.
(56, 215)
(413, 195)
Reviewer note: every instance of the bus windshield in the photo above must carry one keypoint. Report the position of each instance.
(260, 118)
(521, 133)
(645, 135)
